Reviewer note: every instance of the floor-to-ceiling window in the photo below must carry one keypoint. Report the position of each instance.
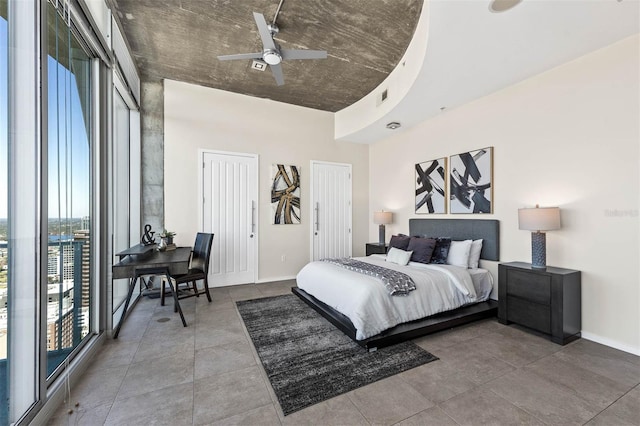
(121, 131)
(4, 199)
(69, 191)
(126, 186)
(54, 136)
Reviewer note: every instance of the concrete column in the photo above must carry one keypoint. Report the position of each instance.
(152, 118)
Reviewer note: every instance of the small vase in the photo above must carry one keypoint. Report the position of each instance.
(162, 245)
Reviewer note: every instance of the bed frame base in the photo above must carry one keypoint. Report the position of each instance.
(406, 331)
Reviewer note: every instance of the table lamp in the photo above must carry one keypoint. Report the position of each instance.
(382, 218)
(538, 220)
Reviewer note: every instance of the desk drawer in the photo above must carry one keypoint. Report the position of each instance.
(532, 315)
(529, 286)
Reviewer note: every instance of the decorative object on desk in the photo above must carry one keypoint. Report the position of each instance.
(285, 195)
(470, 182)
(147, 237)
(163, 246)
(166, 240)
(430, 187)
(538, 220)
(382, 218)
(167, 236)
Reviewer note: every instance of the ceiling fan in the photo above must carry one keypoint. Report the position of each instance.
(271, 53)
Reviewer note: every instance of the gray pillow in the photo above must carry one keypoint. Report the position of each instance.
(400, 241)
(422, 249)
(441, 251)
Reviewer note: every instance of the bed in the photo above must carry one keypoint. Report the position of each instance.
(327, 285)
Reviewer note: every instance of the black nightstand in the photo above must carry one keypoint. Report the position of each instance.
(376, 248)
(547, 300)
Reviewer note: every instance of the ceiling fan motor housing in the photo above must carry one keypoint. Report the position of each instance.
(273, 29)
(271, 57)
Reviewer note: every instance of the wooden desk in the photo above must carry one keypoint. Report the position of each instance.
(142, 260)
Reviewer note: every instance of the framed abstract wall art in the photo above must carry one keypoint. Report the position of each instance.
(470, 182)
(285, 195)
(430, 187)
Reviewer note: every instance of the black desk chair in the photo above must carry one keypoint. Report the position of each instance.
(198, 270)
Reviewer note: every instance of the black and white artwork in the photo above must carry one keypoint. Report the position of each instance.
(470, 181)
(285, 195)
(430, 187)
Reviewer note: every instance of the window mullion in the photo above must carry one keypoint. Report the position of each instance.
(24, 206)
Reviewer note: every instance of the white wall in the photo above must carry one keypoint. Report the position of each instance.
(202, 118)
(570, 138)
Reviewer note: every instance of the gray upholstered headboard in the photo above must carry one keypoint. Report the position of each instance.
(462, 229)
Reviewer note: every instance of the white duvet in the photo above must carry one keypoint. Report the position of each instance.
(366, 302)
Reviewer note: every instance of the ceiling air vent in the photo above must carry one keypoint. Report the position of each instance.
(384, 95)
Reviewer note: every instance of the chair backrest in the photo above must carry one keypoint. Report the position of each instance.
(202, 252)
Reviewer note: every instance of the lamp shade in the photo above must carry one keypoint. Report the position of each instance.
(539, 218)
(382, 218)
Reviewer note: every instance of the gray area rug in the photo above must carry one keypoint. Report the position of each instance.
(308, 360)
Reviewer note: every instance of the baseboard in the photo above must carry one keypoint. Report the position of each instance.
(270, 280)
(611, 343)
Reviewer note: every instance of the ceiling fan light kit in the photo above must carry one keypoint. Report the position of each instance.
(272, 54)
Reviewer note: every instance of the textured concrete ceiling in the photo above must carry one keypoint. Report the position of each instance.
(180, 40)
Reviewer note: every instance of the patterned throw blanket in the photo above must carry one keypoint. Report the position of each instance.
(397, 283)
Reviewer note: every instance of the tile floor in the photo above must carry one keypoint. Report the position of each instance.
(209, 374)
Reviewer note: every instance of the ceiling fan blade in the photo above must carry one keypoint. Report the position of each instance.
(302, 54)
(277, 74)
(265, 34)
(240, 56)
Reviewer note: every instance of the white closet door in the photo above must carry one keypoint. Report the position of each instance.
(230, 201)
(331, 210)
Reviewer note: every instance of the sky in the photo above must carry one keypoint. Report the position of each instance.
(69, 156)
(68, 142)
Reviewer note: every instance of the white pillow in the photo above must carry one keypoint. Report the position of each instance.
(474, 254)
(401, 257)
(459, 253)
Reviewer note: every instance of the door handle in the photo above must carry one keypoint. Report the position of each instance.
(253, 220)
(317, 213)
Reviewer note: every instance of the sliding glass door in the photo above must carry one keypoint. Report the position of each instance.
(4, 213)
(69, 260)
(121, 151)
(55, 196)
